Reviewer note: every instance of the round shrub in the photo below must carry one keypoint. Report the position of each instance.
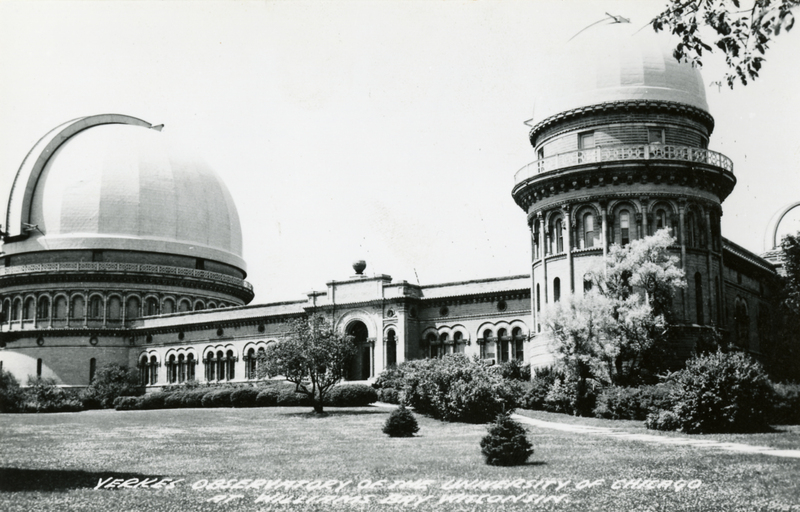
(111, 381)
(173, 401)
(389, 396)
(194, 399)
(153, 400)
(267, 397)
(288, 397)
(217, 398)
(506, 444)
(244, 397)
(721, 392)
(11, 395)
(786, 406)
(351, 395)
(401, 423)
(662, 420)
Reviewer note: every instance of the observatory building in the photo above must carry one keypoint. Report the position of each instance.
(121, 248)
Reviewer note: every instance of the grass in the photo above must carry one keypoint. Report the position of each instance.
(53, 462)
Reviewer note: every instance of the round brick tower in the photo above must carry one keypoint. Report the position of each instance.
(621, 137)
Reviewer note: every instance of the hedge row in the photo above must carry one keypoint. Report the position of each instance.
(273, 395)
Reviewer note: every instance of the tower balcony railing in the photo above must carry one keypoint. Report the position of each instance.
(624, 153)
(104, 266)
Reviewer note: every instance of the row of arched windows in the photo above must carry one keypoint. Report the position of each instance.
(110, 309)
(625, 224)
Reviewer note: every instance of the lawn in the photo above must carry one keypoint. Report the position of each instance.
(192, 459)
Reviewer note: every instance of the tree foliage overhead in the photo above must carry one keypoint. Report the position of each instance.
(613, 333)
(314, 357)
(741, 30)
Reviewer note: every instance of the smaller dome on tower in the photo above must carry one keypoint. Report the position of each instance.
(615, 61)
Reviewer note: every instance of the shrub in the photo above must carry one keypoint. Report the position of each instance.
(351, 395)
(244, 397)
(11, 395)
(194, 399)
(173, 400)
(401, 423)
(786, 405)
(392, 377)
(561, 397)
(662, 420)
(111, 381)
(514, 370)
(43, 395)
(535, 392)
(456, 388)
(721, 392)
(288, 397)
(389, 396)
(218, 398)
(128, 403)
(268, 397)
(153, 400)
(619, 403)
(506, 444)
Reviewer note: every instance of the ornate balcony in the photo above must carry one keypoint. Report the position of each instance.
(624, 153)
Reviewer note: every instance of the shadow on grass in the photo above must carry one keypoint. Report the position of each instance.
(17, 479)
(333, 412)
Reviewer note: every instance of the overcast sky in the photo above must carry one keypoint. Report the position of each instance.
(388, 131)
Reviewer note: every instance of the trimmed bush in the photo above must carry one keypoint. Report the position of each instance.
(514, 370)
(455, 388)
(218, 398)
(389, 396)
(392, 377)
(786, 405)
(618, 403)
(721, 392)
(662, 420)
(244, 397)
(534, 393)
(153, 400)
(11, 396)
(351, 395)
(401, 423)
(268, 397)
(194, 399)
(288, 397)
(506, 444)
(128, 403)
(173, 400)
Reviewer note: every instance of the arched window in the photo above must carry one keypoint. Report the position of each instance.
(43, 308)
(538, 299)
(39, 367)
(698, 297)
(210, 365)
(741, 319)
(391, 348)
(144, 378)
(151, 306)
(190, 367)
(588, 230)
(559, 236)
(172, 373)
(132, 308)
(92, 369)
(503, 341)
(250, 364)
(458, 342)
(114, 308)
(199, 306)
(231, 360)
(77, 308)
(169, 306)
(715, 231)
(487, 339)
(4, 315)
(181, 368)
(153, 370)
(661, 219)
(691, 230)
(556, 289)
(60, 308)
(220, 366)
(30, 309)
(518, 339)
(184, 306)
(95, 307)
(15, 310)
(261, 358)
(624, 227)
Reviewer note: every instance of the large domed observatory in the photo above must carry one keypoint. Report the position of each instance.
(621, 137)
(107, 223)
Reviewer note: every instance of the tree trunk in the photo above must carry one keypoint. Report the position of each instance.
(318, 406)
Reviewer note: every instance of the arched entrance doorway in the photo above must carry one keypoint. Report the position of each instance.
(361, 366)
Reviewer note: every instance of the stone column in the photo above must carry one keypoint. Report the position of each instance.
(682, 241)
(568, 244)
(544, 260)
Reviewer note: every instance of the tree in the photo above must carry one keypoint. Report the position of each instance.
(314, 357)
(111, 381)
(614, 333)
(782, 354)
(742, 34)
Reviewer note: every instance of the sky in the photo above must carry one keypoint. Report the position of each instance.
(388, 131)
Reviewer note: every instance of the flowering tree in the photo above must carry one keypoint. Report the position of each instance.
(613, 333)
(314, 357)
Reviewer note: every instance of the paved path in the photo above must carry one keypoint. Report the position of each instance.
(649, 438)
